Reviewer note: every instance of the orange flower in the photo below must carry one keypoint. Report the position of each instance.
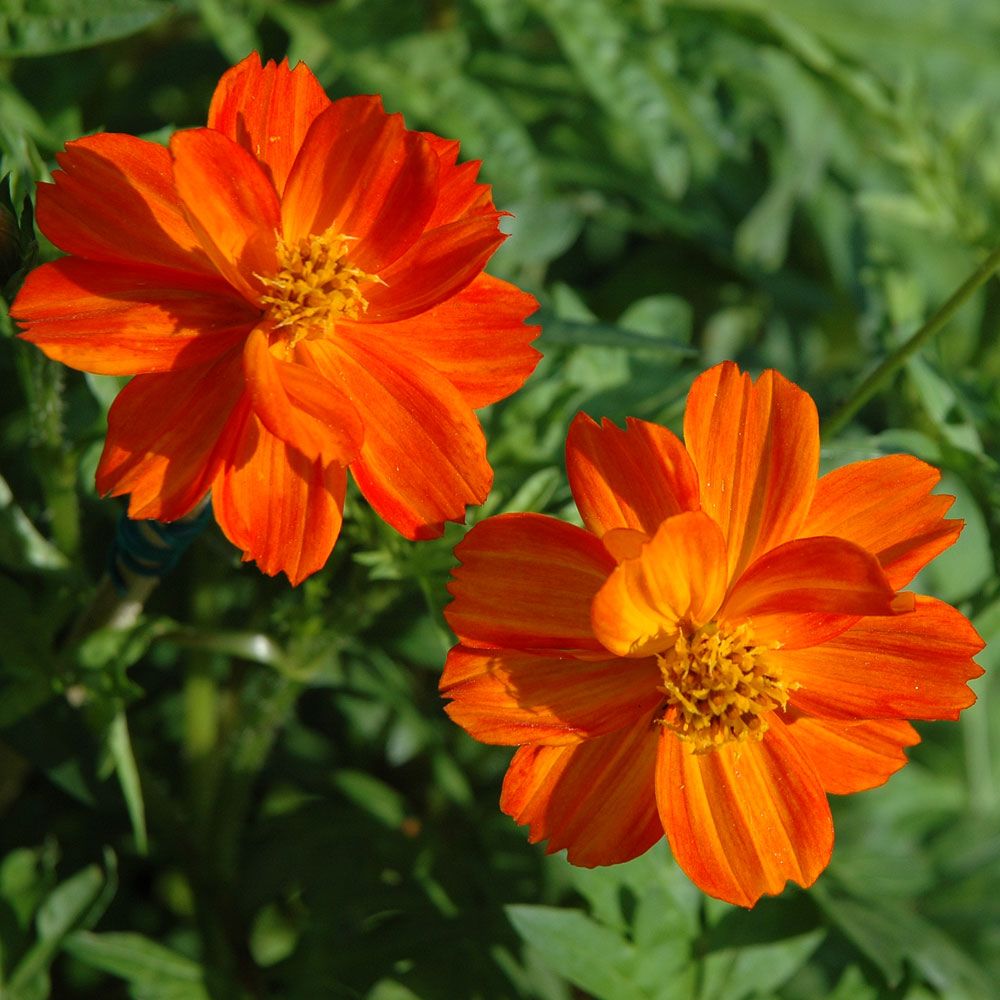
(298, 288)
(722, 645)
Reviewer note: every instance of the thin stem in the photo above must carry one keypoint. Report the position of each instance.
(881, 376)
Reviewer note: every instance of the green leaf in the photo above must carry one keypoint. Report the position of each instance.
(41, 27)
(535, 492)
(663, 932)
(372, 795)
(424, 76)
(120, 747)
(558, 330)
(26, 874)
(852, 986)
(891, 935)
(114, 648)
(589, 955)
(232, 30)
(389, 989)
(153, 971)
(540, 229)
(798, 160)
(616, 65)
(68, 906)
(756, 969)
(666, 316)
(22, 546)
(944, 406)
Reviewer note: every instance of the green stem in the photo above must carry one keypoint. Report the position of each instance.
(201, 739)
(42, 382)
(881, 376)
(262, 708)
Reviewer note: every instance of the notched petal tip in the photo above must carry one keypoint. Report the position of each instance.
(756, 448)
(593, 799)
(631, 478)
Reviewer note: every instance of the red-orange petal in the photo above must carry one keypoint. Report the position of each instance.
(526, 581)
(916, 666)
(477, 339)
(231, 205)
(807, 591)
(283, 510)
(438, 266)
(268, 110)
(459, 195)
(853, 756)
(165, 438)
(122, 320)
(508, 697)
(423, 458)
(756, 448)
(886, 506)
(678, 579)
(632, 478)
(363, 174)
(595, 799)
(114, 200)
(299, 406)
(746, 818)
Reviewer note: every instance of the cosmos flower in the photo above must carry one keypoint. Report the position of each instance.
(724, 642)
(298, 289)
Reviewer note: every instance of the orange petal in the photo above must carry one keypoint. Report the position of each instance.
(509, 697)
(886, 506)
(424, 456)
(438, 266)
(477, 339)
(231, 205)
(916, 666)
(526, 581)
(268, 110)
(280, 508)
(807, 591)
(114, 200)
(744, 819)
(361, 173)
(624, 543)
(756, 448)
(124, 320)
(853, 756)
(595, 798)
(678, 579)
(299, 406)
(632, 478)
(460, 195)
(165, 437)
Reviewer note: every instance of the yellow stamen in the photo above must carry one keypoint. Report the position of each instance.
(315, 285)
(720, 686)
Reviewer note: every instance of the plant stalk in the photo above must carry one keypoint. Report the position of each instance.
(879, 378)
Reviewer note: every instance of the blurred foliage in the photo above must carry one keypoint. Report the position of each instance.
(253, 791)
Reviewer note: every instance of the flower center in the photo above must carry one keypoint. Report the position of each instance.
(719, 686)
(314, 287)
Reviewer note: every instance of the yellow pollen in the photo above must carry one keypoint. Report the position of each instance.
(315, 285)
(720, 686)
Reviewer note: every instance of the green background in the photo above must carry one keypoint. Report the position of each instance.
(253, 791)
